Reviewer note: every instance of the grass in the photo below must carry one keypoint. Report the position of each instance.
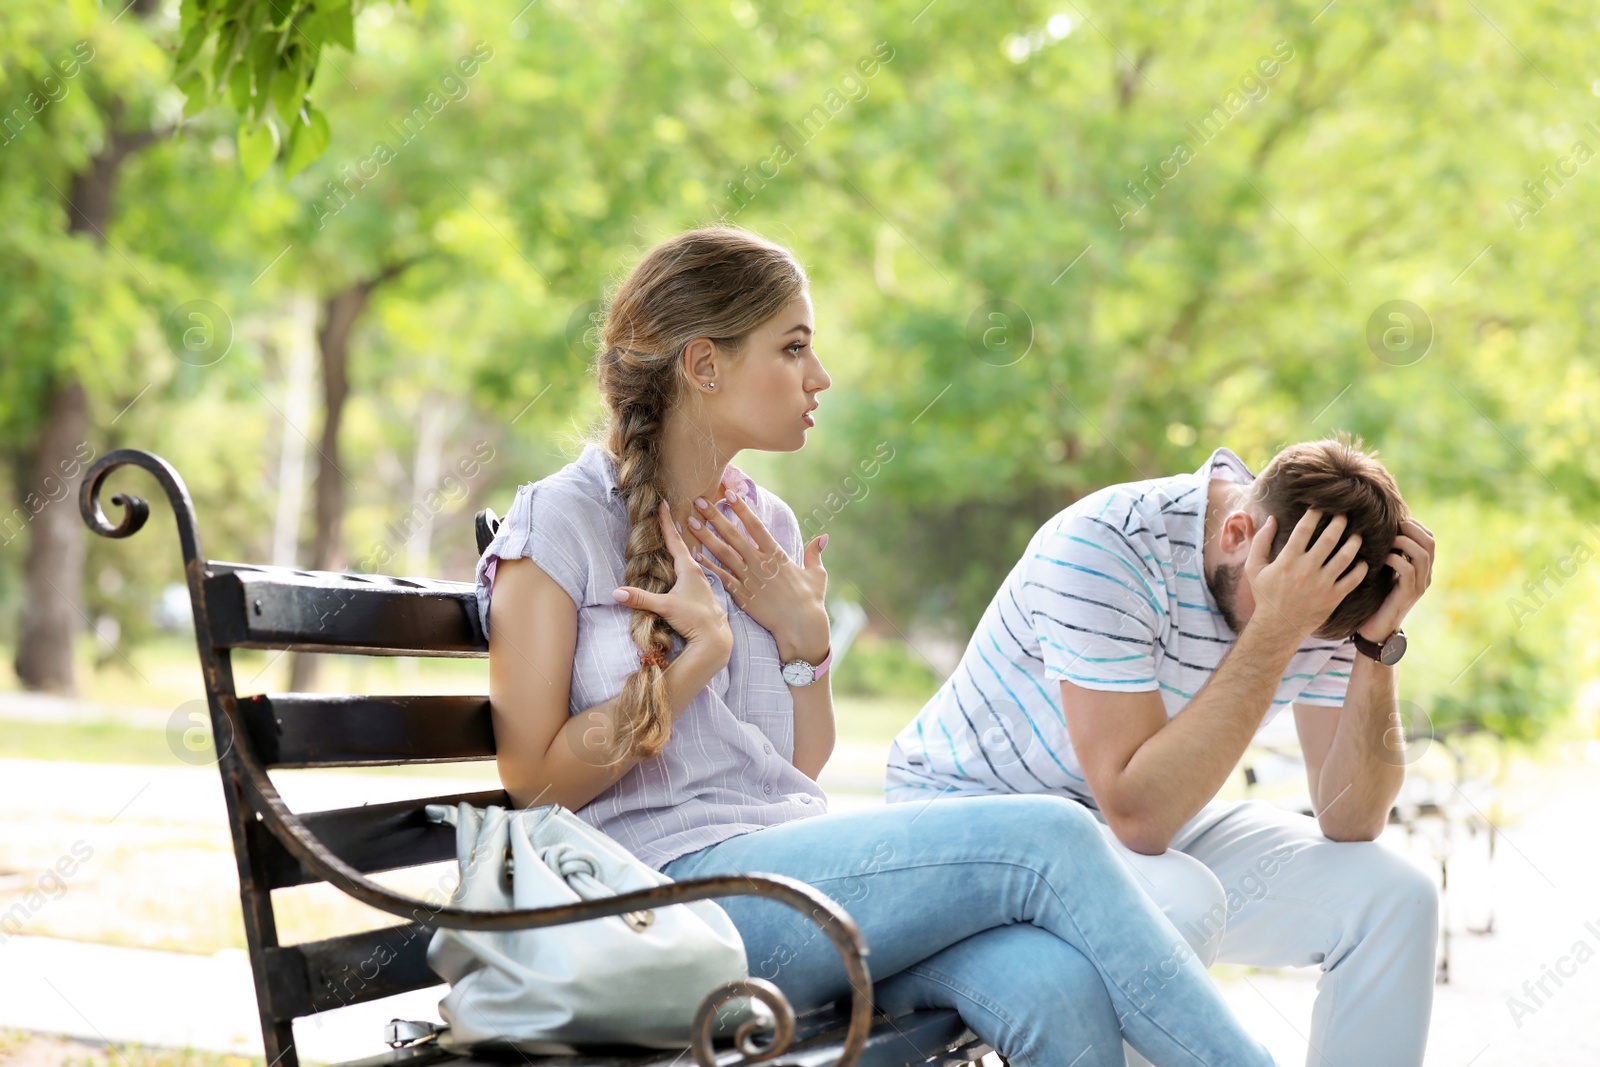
(83, 742)
(164, 674)
(19, 1048)
(872, 720)
(123, 743)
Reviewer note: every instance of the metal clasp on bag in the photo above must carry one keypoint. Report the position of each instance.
(639, 921)
(399, 1033)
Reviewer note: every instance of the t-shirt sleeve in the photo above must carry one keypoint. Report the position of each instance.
(1328, 688)
(785, 528)
(540, 527)
(1097, 607)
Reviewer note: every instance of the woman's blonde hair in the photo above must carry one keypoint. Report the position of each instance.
(719, 282)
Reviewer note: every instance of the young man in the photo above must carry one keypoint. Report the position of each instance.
(1146, 634)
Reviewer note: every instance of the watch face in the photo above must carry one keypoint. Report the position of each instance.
(799, 672)
(1393, 649)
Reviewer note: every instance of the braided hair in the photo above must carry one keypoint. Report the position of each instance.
(720, 283)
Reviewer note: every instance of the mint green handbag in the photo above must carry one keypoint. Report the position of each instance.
(634, 979)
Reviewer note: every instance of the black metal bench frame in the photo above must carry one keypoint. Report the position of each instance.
(258, 607)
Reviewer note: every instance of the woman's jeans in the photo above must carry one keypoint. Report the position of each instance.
(1012, 910)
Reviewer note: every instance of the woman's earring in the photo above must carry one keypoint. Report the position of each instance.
(711, 385)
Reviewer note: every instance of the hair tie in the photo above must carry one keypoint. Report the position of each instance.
(656, 657)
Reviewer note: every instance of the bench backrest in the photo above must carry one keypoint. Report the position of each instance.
(306, 611)
(243, 606)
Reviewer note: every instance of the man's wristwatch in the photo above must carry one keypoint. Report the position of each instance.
(1387, 652)
(797, 672)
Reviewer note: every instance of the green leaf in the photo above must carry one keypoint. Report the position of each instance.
(289, 88)
(283, 11)
(189, 51)
(196, 94)
(308, 139)
(227, 37)
(258, 146)
(239, 89)
(263, 68)
(339, 20)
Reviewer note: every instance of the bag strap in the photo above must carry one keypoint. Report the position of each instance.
(580, 870)
(440, 814)
(577, 868)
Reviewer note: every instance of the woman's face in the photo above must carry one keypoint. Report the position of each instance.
(766, 394)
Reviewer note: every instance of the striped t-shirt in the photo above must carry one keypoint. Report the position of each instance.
(1111, 596)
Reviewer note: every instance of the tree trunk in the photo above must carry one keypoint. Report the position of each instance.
(51, 615)
(56, 547)
(340, 313)
(339, 318)
(300, 345)
(90, 195)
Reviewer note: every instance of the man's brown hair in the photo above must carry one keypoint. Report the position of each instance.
(1338, 477)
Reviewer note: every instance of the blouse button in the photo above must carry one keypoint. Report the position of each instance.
(766, 789)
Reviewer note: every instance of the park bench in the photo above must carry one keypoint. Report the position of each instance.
(243, 606)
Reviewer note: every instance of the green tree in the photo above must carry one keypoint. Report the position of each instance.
(76, 306)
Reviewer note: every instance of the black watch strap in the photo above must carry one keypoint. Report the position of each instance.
(1387, 652)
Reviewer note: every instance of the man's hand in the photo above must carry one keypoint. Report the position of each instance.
(1411, 559)
(1296, 592)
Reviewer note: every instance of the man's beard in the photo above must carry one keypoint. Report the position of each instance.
(1224, 582)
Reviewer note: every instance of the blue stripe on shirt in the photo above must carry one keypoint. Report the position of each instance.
(1018, 702)
(1101, 574)
(953, 757)
(1108, 681)
(1119, 558)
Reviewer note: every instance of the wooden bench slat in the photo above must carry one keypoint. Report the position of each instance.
(316, 730)
(375, 837)
(937, 1037)
(324, 611)
(353, 969)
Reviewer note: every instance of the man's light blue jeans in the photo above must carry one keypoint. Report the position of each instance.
(1013, 910)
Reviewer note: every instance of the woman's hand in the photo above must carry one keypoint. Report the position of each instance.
(785, 597)
(690, 607)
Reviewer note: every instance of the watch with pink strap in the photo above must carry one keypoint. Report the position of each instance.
(797, 672)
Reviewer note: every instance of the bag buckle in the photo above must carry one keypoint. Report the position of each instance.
(639, 921)
(400, 1033)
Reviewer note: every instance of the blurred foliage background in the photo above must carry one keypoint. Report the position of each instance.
(1053, 245)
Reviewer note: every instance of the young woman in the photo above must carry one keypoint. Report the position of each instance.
(677, 699)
